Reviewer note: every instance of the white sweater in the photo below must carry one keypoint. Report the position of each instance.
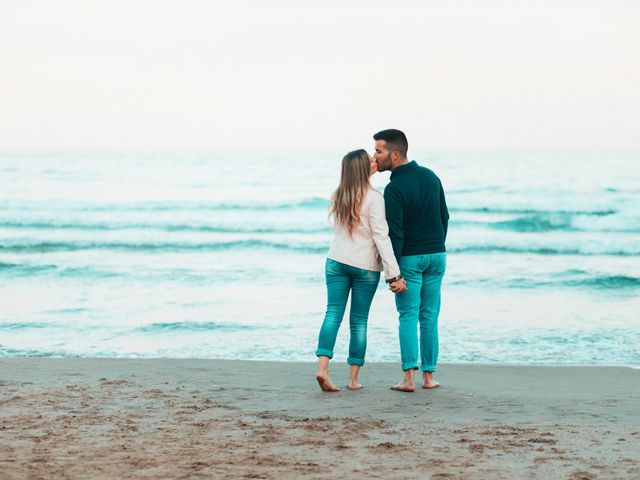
(369, 247)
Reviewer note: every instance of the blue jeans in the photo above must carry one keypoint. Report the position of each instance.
(342, 279)
(420, 304)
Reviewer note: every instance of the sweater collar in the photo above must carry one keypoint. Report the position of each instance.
(406, 168)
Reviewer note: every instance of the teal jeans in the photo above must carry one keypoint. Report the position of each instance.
(420, 304)
(341, 280)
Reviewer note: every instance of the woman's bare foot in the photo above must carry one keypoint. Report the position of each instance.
(325, 382)
(354, 371)
(405, 386)
(428, 382)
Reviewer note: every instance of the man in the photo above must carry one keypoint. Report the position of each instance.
(417, 215)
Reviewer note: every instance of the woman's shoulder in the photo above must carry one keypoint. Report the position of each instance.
(373, 202)
(374, 196)
(374, 193)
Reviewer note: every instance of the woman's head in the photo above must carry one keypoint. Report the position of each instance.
(347, 200)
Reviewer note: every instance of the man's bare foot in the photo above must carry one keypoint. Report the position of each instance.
(404, 386)
(325, 382)
(428, 382)
(354, 385)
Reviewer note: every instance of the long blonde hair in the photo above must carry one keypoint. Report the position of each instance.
(347, 200)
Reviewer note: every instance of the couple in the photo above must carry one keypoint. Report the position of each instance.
(407, 243)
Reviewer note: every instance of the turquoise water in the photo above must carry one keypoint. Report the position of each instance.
(221, 256)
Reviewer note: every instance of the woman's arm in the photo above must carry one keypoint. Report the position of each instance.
(380, 229)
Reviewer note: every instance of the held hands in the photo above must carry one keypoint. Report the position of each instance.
(398, 286)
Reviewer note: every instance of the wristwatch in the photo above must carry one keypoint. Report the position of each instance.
(394, 279)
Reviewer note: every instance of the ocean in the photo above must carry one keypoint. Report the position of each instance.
(221, 255)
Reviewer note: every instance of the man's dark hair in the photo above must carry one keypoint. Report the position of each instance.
(395, 140)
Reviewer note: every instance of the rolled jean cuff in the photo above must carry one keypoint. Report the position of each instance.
(428, 368)
(321, 352)
(409, 366)
(355, 361)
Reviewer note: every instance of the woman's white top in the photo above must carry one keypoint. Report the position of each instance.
(369, 247)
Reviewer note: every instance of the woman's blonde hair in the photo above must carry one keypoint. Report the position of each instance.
(347, 200)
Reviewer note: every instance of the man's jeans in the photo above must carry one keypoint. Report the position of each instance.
(362, 283)
(420, 303)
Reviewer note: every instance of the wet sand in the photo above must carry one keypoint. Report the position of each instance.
(132, 418)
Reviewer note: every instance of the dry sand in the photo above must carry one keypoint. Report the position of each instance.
(121, 418)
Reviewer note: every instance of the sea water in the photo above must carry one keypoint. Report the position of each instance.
(221, 255)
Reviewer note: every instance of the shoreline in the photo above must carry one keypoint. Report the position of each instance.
(334, 362)
(199, 418)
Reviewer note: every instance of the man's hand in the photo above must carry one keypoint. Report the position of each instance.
(398, 286)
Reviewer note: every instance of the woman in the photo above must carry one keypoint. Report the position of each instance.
(360, 250)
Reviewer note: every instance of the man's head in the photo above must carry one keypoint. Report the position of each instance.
(391, 149)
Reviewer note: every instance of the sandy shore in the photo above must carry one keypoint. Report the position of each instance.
(108, 418)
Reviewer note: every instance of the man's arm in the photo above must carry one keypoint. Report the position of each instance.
(393, 205)
(444, 212)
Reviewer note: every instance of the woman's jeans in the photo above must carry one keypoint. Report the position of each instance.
(420, 304)
(340, 280)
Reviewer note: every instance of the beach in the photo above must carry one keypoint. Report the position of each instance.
(172, 182)
(189, 418)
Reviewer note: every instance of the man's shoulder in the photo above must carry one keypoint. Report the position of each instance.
(426, 170)
(393, 187)
(428, 174)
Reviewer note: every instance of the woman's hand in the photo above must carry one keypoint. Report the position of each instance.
(398, 286)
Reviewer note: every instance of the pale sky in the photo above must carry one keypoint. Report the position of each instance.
(234, 75)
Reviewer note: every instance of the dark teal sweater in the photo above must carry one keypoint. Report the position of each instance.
(416, 211)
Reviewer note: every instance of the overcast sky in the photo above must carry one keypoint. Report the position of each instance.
(206, 75)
